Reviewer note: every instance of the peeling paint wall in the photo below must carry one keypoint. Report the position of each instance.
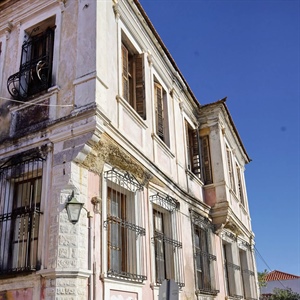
(21, 294)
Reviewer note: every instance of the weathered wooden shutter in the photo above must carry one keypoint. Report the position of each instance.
(240, 187)
(196, 166)
(230, 168)
(140, 86)
(207, 172)
(188, 146)
(125, 79)
(159, 111)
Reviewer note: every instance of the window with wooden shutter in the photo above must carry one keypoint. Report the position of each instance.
(133, 79)
(230, 168)
(139, 105)
(239, 184)
(125, 233)
(206, 160)
(125, 77)
(158, 92)
(193, 150)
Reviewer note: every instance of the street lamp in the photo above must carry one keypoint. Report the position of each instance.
(73, 208)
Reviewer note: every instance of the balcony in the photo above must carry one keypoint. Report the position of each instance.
(35, 71)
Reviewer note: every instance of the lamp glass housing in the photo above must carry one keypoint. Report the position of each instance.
(73, 208)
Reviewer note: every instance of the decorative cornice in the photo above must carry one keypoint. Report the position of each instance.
(65, 273)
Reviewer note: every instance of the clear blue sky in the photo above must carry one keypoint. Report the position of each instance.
(249, 51)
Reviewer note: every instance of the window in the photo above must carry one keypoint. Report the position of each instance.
(167, 246)
(232, 271)
(161, 112)
(206, 161)
(230, 168)
(125, 235)
(239, 184)
(193, 151)
(35, 73)
(247, 274)
(204, 260)
(133, 78)
(20, 198)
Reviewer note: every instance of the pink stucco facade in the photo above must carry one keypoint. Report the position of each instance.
(94, 108)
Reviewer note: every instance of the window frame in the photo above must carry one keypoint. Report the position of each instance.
(206, 283)
(132, 228)
(26, 26)
(207, 172)
(169, 238)
(240, 183)
(193, 150)
(161, 109)
(21, 171)
(248, 280)
(230, 168)
(132, 74)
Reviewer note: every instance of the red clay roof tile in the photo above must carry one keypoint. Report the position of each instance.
(277, 275)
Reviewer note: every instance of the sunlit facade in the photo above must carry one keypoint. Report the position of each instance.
(93, 107)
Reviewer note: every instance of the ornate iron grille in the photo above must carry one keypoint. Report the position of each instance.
(127, 180)
(35, 71)
(125, 227)
(165, 201)
(204, 260)
(166, 239)
(123, 252)
(231, 268)
(20, 196)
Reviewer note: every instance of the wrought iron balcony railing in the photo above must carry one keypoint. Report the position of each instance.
(35, 71)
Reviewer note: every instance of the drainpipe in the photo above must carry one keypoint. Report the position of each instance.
(90, 291)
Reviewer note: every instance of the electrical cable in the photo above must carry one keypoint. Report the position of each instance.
(256, 250)
(37, 104)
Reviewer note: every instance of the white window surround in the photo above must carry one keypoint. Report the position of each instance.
(166, 145)
(2, 60)
(160, 203)
(122, 30)
(35, 20)
(193, 158)
(140, 219)
(44, 173)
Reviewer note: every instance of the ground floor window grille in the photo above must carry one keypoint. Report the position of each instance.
(232, 272)
(166, 239)
(204, 260)
(247, 274)
(20, 198)
(125, 228)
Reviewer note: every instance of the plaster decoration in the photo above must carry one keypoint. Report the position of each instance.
(63, 4)
(172, 92)
(107, 151)
(181, 105)
(233, 227)
(228, 236)
(243, 245)
(223, 129)
(8, 29)
(150, 58)
(116, 9)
